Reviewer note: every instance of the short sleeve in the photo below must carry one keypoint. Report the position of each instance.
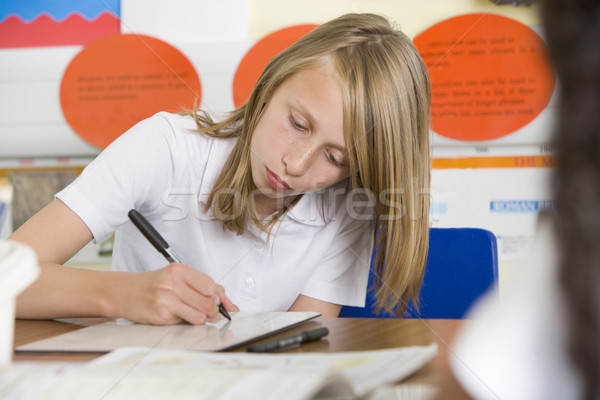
(132, 172)
(342, 274)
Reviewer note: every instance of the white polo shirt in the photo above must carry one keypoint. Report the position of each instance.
(166, 171)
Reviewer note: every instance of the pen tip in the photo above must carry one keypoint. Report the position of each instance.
(224, 312)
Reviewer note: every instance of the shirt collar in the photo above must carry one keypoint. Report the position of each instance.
(320, 207)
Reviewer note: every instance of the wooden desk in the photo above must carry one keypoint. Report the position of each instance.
(345, 334)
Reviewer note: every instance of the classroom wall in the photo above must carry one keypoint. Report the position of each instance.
(489, 172)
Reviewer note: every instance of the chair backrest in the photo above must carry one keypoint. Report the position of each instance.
(462, 263)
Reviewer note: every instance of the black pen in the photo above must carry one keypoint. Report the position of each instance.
(306, 336)
(161, 244)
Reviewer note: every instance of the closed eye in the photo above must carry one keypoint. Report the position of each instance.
(334, 160)
(297, 125)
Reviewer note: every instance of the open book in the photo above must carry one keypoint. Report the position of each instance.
(144, 373)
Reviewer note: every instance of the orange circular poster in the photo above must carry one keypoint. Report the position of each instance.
(118, 80)
(490, 76)
(259, 55)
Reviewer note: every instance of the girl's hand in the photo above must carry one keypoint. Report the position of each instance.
(169, 295)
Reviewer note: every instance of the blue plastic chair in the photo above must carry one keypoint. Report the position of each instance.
(462, 263)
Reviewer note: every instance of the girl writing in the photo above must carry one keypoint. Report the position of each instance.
(277, 207)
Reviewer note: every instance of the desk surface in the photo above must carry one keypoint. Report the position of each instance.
(345, 334)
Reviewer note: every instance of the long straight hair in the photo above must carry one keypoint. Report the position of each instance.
(386, 107)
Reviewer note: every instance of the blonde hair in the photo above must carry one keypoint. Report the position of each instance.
(386, 95)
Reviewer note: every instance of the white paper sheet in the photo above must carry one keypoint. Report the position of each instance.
(243, 328)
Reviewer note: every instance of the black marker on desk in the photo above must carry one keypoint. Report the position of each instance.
(161, 244)
(306, 336)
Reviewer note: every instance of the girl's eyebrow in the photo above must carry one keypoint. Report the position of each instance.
(297, 105)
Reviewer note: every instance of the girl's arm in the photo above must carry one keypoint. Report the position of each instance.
(305, 303)
(165, 296)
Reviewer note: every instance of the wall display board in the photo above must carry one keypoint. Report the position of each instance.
(62, 101)
(492, 86)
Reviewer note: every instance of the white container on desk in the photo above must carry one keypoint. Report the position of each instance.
(18, 269)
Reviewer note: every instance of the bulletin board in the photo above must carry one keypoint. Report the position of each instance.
(66, 96)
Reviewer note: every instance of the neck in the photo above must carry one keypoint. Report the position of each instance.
(266, 205)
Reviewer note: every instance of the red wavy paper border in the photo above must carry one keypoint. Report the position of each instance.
(45, 31)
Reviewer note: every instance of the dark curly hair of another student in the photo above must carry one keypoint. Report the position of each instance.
(573, 34)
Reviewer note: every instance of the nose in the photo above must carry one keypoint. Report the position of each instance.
(298, 157)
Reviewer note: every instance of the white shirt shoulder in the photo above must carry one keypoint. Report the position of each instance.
(514, 345)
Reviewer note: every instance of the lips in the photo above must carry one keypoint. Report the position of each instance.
(276, 182)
